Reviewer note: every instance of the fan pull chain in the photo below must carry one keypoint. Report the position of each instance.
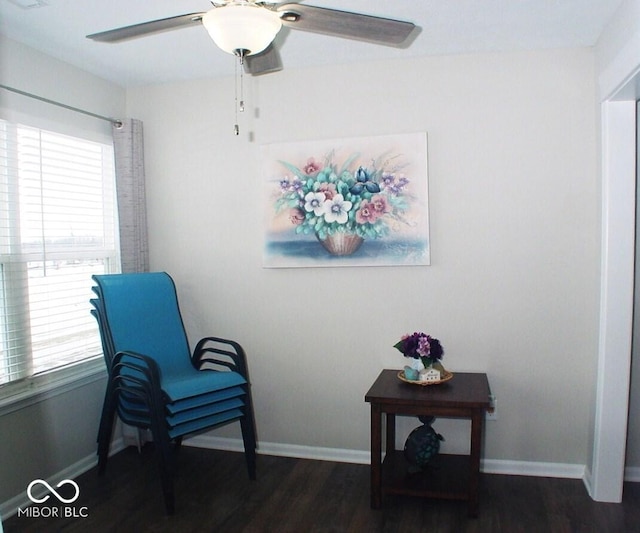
(236, 128)
(239, 106)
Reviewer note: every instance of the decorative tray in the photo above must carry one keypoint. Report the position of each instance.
(446, 376)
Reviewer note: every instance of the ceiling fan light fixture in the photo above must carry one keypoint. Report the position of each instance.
(244, 26)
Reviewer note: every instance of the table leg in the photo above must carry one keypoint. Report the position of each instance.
(391, 433)
(376, 456)
(474, 460)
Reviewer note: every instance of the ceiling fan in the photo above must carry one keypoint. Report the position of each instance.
(247, 28)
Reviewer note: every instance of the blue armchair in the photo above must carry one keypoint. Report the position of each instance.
(155, 381)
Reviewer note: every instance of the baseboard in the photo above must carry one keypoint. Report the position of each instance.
(10, 507)
(283, 450)
(489, 466)
(632, 473)
(588, 481)
(531, 468)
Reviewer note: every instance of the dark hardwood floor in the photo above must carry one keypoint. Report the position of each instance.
(214, 494)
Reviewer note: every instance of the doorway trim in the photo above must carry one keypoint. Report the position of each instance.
(619, 88)
(616, 299)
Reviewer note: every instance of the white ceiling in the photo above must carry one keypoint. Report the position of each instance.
(59, 27)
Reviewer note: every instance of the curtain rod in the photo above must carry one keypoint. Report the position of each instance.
(113, 121)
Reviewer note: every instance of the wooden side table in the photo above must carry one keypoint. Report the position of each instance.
(456, 477)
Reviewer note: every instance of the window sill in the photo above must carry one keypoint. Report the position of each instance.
(16, 396)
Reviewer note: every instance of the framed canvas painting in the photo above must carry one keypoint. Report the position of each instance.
(347, 202)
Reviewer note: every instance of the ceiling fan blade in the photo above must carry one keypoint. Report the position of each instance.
(345, 24)
(263, 63)
(146, 28)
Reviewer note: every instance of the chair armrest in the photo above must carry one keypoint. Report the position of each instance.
(139, 375)
(223, 352)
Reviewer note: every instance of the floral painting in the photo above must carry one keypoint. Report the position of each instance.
(347, 202)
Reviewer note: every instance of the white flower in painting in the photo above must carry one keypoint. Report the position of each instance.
(314, 201)
(336, 209)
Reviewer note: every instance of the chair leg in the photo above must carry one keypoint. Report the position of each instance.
(249, 439)
(166, 463)
(105, 430)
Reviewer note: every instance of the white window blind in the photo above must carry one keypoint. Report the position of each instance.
(58, 227)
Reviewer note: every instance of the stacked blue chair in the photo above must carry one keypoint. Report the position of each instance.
(155, 381)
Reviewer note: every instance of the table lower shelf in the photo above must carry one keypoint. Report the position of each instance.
(446, 476)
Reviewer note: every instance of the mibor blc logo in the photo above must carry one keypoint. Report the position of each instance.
(52, 491)
(55, 511)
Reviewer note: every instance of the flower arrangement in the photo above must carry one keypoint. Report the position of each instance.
(324, 198)
(421, 346)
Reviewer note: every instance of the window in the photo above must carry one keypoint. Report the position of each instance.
(57, 228)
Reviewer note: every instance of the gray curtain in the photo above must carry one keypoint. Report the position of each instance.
(132, 214)
(132, 209)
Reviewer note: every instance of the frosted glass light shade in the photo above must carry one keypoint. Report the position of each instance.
(242, 27)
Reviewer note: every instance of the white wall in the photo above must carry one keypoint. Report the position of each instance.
(25, 69)
(513, 285)
(56, 434)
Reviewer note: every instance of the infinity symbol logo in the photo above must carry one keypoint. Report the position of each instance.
(53, 491)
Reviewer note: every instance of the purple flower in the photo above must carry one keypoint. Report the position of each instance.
(285, 184)
(420, 346)
(297, 186)
(392, 184)
(288, 186)
(387, 179)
